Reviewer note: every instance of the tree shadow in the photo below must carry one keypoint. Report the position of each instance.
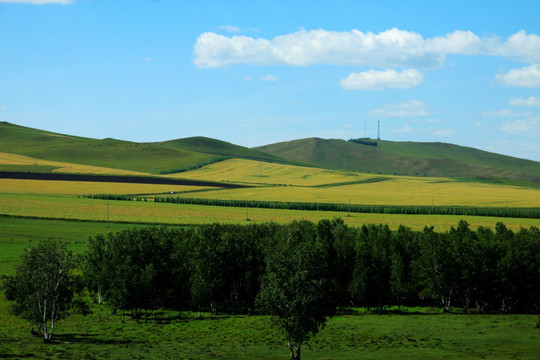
(73, 338)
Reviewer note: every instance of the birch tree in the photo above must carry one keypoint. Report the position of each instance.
(295, 289)
(42, 288)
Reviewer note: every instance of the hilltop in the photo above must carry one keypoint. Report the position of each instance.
(151, 157)
(407, 158)
(388, 157)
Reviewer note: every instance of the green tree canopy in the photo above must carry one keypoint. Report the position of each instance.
(43, 286)
(296, 287)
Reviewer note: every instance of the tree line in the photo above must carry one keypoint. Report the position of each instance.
(513, 212)
(299, 272)
(219, 267)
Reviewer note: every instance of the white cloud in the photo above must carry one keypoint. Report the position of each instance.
(231, 28)
(270, 78)
(3, 107)
(531, 126)
(530, 102)
(392, 48)
(458, 42)
(432, 121)
(528, 77)
(405, 129)
(505, 113)
(519, 46)
(39, 2)
(411, 108)
(380, 80)
(445, 132)
(148, 59)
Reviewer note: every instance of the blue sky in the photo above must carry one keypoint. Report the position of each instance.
(258, 72)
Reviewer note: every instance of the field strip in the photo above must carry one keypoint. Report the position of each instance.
(15, 159)
(114, 179)
(158, 213)
(264, 173)
(391, 193)
(70, 188)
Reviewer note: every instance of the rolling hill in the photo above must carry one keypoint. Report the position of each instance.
(152, 158)
(407, 158)
(404, 158)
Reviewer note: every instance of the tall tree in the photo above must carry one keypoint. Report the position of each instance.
(295, 286)
(43, 285)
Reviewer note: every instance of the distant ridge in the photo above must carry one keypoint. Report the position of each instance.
(388, 157)
(152, 157)
(407, 158)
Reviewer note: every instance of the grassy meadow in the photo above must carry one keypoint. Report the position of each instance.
(353, 335)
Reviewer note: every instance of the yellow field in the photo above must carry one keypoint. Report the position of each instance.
(149, 212)
(256, 172)
(13, 159)
(71, 188)
(392, 190)
(274, 182)
(398, 191)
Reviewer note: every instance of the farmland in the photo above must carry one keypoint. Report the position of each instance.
(32, 211)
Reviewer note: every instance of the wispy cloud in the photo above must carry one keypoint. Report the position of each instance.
(405, 129)
(148, 59)
(270, 78)
(393, 48)
(413, 108)
(527, 77)
(523, 126)
(230, 28)
(506, 113)
(530, 102)
(39, 2)
(445, 132)
(3, 107)
(380, 80)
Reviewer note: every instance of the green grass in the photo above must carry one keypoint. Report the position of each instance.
(144, 157)
(18, 233)
(28, 168)
(407, 158)
(404, 158)
(180, 335)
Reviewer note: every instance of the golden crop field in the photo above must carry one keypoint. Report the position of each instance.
(159, 213)
(274, 182)
(262, 173)
(14, 159)
(298, 184)
(71, 188)
(395, 191)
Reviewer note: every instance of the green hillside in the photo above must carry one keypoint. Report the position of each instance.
(404, 158)
(221, 148)
(408, 158)
(145, 157)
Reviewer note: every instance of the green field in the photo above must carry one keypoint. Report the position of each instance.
(18, 233)
(173, 335)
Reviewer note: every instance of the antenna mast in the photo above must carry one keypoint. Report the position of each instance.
(378, 130)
